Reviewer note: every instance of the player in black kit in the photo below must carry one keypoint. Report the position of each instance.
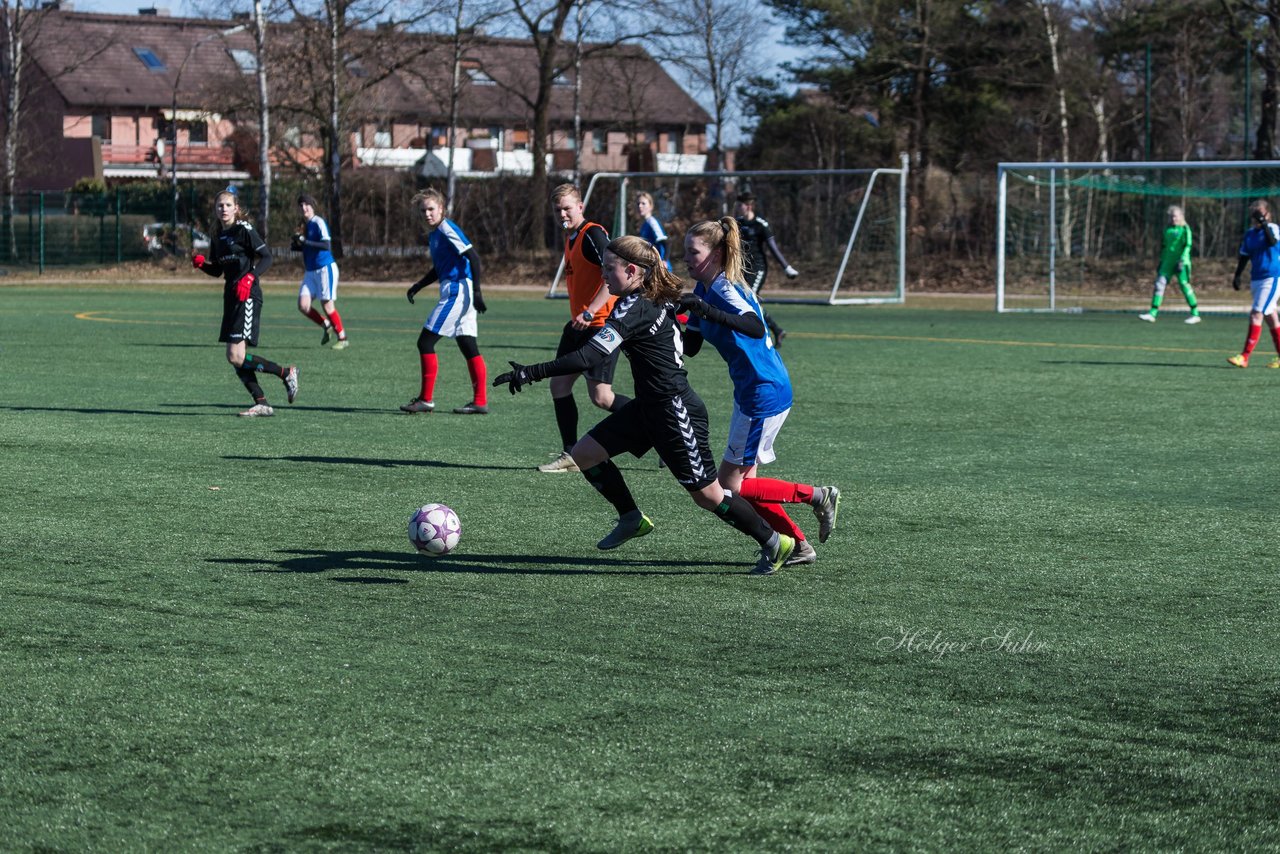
(757, 237)
(241, 256)
(666, 414)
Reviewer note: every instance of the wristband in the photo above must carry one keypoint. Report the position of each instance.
(587, 314)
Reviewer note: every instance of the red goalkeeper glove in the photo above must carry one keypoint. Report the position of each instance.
(197, 261)
(244, 286)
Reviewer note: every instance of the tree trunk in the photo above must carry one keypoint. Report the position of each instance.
(12, 71)
(334, 166)
(264, 120)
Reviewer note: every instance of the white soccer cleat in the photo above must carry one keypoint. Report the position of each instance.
(1148, 317)
(258, 410)
(563, 462)
(1195, 318)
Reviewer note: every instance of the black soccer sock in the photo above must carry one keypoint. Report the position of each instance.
(739, 513)
(567, 420)
(619, 401)
(257, 363)
(250, 380)
(608, 481)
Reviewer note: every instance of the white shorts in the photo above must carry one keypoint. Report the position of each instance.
(1264, 294)
(455, 314)
(322, 284)
(751, 439)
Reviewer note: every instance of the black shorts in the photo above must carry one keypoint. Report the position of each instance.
(572, 339)
(757, 279)
(676, 428)
(240, 320)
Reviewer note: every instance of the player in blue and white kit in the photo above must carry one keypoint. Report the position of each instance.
(726, 313)
(456, 267)
(320, 279)
(1260, 250)
(650, 228)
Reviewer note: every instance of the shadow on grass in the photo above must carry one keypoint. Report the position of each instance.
(385, 464)
(286, 407)
(1118, 364)
(314, 560)
(99, 410)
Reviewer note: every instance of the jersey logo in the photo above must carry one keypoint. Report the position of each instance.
(607, 339)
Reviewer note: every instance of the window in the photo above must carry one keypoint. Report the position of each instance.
(381, 138)
(148, 58)
(197, 133)
(600, 141)
(439, 136)
(520, 140)
(476, 74)
(561, 80)
(247, 60)
(675, 142)
(101, 127)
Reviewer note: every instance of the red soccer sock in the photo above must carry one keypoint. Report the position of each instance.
(1251, 340)
(479, 380)
(1275, 337)
(317, 317)
(337, 322)
(777, 491)
(430, 366)
(777, 518)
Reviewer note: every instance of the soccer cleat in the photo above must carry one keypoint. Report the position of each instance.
(771, 560)
(340, 344)
(1195, 318)
(1274, 363)
(826, 506)
(563, 462)
(291, 383)
(804, 553)
(324, 339)
(1148, 317)
(471, 408)
(258, 410)
(417, 405)
(1240, 361)
(630, 525)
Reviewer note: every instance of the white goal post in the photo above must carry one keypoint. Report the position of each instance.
(1086, 234)
(869, 205)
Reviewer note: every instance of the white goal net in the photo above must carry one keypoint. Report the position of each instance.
(844, 230)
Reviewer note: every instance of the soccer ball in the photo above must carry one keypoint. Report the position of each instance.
(434, 530)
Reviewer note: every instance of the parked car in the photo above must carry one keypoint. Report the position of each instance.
(156, 238)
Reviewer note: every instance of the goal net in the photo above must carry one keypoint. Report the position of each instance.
(1077, 236)
(844, 230)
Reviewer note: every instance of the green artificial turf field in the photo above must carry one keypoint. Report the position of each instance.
(1045, 621)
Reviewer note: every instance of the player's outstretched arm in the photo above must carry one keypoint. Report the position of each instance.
(748, 324)
(582, 359)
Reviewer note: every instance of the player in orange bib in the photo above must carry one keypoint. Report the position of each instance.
(589, 307)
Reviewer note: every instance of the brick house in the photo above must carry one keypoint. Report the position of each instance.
(107, 86)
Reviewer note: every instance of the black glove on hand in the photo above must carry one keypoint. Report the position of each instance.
(296, 243)
(1235, 283)
(409, 293)
(518, 377)
(479, 303)
(693, 304)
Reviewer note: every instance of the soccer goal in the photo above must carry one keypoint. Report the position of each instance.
(1087, 235)
(843, 229)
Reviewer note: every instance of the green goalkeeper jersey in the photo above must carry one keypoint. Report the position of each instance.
(1176, 250)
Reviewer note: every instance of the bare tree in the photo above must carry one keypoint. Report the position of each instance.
(718, 48)
(264, 117)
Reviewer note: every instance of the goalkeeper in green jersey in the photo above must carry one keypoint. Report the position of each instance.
(1175, 259)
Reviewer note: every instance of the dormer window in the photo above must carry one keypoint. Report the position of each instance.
(246, 60)
(476, 74)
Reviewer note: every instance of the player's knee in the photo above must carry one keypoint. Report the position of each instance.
(602, 396)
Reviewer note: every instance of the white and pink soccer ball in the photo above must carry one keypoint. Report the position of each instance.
(434, 530)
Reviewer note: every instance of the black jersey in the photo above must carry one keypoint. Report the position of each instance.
(650, 337)
(237, 250)
(756, 234)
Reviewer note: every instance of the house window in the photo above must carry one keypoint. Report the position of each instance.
(148, 58)
(101, 127)
(600, 141)
(382, 137)
(439, 136)
(247, 60)
(675, 142)
(476, 74)
(520, 140)
(292, 135)
(561, 80)
(197, 133)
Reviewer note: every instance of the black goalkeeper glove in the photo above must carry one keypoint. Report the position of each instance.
(479, 303)
(413, 289)
(1235, 283)
(518, 377)
(296, 243)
